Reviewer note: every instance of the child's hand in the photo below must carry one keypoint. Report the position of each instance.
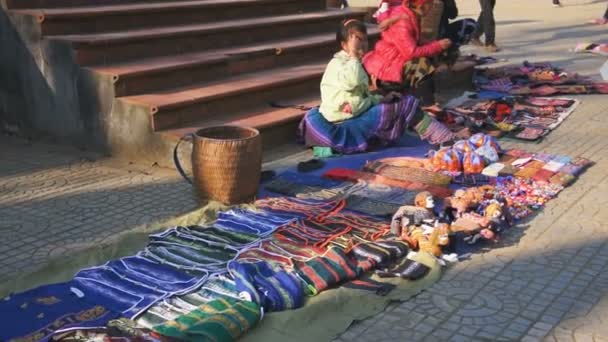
(445, 43)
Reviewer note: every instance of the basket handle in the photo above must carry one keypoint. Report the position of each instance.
(178, 165)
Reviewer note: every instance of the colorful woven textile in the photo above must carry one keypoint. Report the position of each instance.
(295, 207)
(171, 308)
(221, 320)
(275, 290)
(329, 270)
(405, 173)
(365, 228)
(230, 238)
(130, 288)
(380, 253)
(259, 223)
(370, 206)
(312, 232)
(37, 314)
(433, 131)
(355, 176)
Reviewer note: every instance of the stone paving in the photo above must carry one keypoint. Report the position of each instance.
(56, 200)
(548, 280)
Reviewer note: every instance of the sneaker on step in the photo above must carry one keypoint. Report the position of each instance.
(491, 48)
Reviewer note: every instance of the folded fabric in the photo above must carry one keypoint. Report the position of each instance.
(329, 270)
(553, 166)
(117, 292)
(171, 308)
(221, 320)
(355, 176)
(259, 223)
(543, 175)
(370, 206)
(381, 253)
(40, 313)
(274, 290)
(530, 133)
(407, 173)
(493, 169)
(298, 208)
(471, 179)
(576, 166)
(563, 179)
(311, 232)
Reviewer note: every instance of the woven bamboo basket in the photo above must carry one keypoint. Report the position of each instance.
(226, 163)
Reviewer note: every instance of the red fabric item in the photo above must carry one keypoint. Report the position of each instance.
(418, 2)
(349, 175)
(398, 45)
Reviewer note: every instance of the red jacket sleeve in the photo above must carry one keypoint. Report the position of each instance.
(403, 37)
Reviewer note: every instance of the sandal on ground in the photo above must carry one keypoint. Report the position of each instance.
(310, 165)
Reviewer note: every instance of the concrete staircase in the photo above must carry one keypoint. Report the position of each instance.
(150, 71)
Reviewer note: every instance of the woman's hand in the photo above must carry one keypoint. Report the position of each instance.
(445, 43)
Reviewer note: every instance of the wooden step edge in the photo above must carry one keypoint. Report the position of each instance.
(135, 8)
(229, 91)
(183, 61)
(261, 119)
(226, 26)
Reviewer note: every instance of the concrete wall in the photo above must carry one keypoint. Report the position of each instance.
(42, 90)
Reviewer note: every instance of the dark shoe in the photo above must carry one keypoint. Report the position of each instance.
(310, 165)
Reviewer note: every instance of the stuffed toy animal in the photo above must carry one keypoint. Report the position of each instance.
(431, 239)
(421, 211)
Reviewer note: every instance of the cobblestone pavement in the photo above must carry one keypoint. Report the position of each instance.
(56, 200)
(548, 280)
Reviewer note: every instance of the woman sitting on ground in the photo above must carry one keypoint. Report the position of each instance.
(397, 61)
(350, 118)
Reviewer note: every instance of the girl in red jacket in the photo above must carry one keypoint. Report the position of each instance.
(398, 62)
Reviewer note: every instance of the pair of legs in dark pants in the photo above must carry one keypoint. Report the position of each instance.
(487, 26)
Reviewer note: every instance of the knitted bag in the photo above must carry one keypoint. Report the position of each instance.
(221, 320)
(329, 270)
(274, 290)
(381, 252)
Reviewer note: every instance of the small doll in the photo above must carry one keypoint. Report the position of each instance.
(497, 223)
(432, 239)
(422, 211)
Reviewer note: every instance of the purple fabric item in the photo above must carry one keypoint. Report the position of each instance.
(382, 124)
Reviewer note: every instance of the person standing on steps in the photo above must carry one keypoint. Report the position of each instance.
(487, 26)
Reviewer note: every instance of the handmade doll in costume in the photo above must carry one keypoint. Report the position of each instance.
(432, 239)
(497, 223)
(422, 210)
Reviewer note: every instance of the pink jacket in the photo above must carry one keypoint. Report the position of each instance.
(397, 46)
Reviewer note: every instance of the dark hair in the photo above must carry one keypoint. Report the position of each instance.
(347, 27)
